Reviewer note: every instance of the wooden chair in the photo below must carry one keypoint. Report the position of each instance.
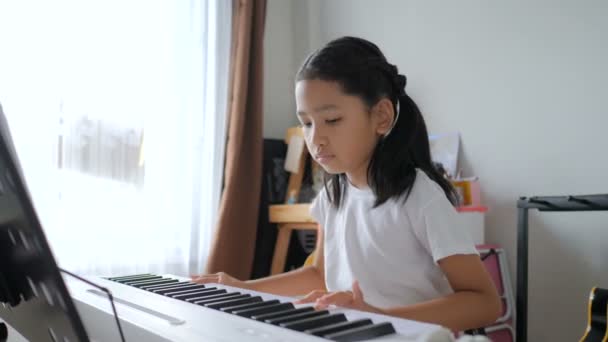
(290, 217)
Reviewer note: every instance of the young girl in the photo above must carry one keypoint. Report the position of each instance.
(388, 242)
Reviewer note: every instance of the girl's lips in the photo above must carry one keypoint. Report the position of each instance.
(324, 159)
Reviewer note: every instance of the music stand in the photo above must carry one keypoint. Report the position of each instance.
(33, 297)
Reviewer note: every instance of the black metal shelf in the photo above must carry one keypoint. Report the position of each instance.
(597, 202)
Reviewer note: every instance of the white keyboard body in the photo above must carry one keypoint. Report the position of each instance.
(150, 317)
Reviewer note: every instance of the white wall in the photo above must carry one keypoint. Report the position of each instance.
(525, 84)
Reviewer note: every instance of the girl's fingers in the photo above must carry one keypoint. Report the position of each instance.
(212, 278)
(311, 297)
(342, 298)
(357, 293)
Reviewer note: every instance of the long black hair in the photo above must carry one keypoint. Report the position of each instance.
(361, 69)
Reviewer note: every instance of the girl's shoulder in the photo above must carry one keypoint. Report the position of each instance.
(320, 205)
(423, 193)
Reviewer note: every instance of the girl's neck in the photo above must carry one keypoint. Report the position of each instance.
(358, 178)
(357, 183)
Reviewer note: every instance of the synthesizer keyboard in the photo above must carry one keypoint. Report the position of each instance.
(170, 308)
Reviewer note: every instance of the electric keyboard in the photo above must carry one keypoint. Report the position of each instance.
(155, 308)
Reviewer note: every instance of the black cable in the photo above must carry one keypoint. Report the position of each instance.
(122, 336)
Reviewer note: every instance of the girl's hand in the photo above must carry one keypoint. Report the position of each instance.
(219, 278)
(348, 299)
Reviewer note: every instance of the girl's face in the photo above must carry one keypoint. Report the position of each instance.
(341, 132)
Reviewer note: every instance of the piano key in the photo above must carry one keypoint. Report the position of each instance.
(222, 298)
(232, 309)
(162, 286)
(291, 318)
(262, 310)
(159, 282)
(337, 327)
(210, 291)
(131, 276)
(314, 322)
(282, 313)
(182, 291)
(170, 289)
(123, 281)
(362, 333)
(219, 298)
(202, 295)
(233, 301)
(140, 281)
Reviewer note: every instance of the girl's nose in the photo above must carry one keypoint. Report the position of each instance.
(318, 138)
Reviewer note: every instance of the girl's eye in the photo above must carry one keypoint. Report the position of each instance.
(333, 121)
(305, 124)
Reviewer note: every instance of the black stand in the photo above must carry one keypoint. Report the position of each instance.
(34, 299)
(542, 203)
(107, 292)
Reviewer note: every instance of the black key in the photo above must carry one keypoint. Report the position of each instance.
(363, 333)
(124, 281)
(159, 282)
(314, 322)
(219, 298)
(140, 281)
(292, 318)
(282, 313)
(153, 283)
(232, 309)
(210, 291)
(163, 286)
(170, 289)
(190, 290)
(179, 289)
(263, 309)
(334, 328)
(131, 276)
(233, 301)
(205, 295)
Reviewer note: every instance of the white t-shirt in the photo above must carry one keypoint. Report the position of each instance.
(392, 250)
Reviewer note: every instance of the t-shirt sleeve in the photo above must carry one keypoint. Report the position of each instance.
(318, 208)
(441, 231)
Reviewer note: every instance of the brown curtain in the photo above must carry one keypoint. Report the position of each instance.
(233, 245)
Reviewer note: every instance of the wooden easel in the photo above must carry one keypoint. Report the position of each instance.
(290, 217)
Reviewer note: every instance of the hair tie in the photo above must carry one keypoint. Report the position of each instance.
(401, 82)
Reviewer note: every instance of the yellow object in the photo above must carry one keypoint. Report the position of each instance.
(469, 191)
(310, 260)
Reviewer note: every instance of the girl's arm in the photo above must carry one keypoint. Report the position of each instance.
(474, 304)
(294, 283)
(297, 282)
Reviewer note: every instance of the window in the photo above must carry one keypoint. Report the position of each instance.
(118, 113)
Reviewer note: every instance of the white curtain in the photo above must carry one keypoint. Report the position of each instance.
(117, 108)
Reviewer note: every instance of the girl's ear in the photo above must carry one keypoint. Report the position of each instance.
(384, 114)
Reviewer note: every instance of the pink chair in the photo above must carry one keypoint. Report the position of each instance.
(500, 333)
(495, 261)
